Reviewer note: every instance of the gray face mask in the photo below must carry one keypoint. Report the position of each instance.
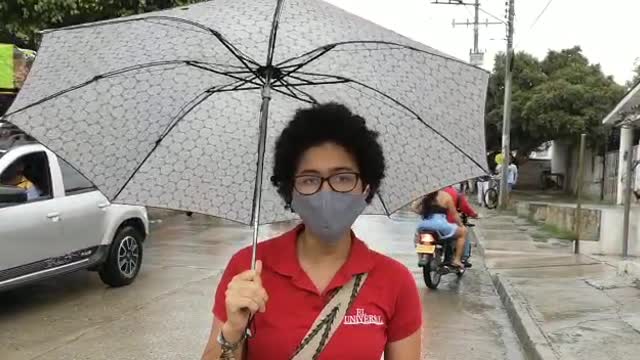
(329, 214)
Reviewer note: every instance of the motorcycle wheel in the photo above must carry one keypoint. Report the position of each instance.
(431, 274)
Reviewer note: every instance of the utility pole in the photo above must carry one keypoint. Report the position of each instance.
(628, 155)
(506, 120)
(583, 144)
(476, 57)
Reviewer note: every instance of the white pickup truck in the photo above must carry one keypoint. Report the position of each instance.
(68, 225)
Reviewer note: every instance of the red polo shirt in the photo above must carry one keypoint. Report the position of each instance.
(389, 296)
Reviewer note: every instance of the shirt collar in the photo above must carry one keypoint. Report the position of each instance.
(283, 259)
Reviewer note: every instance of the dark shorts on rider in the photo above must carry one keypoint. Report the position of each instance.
(439, 224)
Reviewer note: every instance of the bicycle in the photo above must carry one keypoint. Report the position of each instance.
(492, 194)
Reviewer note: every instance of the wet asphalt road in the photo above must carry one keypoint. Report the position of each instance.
(166, 314)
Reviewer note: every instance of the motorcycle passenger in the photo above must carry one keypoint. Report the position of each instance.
(462, 206)
(434, 209)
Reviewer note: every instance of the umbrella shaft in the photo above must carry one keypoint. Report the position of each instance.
(262, 140)
(262, 136)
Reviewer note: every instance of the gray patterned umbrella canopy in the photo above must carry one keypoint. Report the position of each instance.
(162, 109)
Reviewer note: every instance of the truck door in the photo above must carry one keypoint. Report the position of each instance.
(30, 232)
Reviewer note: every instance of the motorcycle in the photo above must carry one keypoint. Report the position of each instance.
(435, 255)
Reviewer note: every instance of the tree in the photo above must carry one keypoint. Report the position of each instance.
(527, 74)
(20, 20)
(556, 98)
(636, 76)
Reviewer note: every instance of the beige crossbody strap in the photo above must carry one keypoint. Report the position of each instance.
(329, 320)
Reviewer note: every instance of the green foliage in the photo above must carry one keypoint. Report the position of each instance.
(558, 233)
(20, 20)
(636, 77)
(556, 98)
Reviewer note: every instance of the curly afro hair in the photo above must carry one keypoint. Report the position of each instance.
(323, 123)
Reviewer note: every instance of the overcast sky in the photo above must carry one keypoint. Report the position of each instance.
(606, 30)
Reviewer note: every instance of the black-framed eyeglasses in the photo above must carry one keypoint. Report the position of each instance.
(342, 182)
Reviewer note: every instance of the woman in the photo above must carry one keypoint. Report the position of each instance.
(434, 209)
(328, 166)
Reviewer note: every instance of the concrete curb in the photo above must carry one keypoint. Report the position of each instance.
(533, 341)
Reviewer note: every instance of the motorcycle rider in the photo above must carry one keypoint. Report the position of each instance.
(460, 205)
(434, 210)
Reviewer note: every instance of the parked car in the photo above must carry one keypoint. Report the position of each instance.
(68, 225)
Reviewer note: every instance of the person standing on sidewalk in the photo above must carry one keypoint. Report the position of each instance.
(327, 167)
(482, 186)
(512, 175)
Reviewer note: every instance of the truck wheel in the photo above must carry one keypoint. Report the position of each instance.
(124, 259)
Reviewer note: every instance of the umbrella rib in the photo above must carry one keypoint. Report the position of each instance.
(311, 83)
(292, 88)
(212, 90)
(313, 99)
(237, 53)
(120, 72)
(96, 78)
(306, 81)
(292, 95)
(296, 67)
(399, 103)
(183, 112)
(407, 47)
(201, 65)
(275, 24)
(240, 89)
(384, 205)
(157, 143)
(284, 84)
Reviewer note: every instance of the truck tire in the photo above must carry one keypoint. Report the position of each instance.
(124, 259)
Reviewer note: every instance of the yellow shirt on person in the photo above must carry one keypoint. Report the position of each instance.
(31, 190)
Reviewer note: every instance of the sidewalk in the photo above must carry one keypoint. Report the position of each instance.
(563, 306)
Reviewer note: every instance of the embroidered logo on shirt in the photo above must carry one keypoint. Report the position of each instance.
(362, 318)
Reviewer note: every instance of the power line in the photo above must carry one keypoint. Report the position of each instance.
(540, 15)
(468, 11)
(490, 14)
(476, 57)
(535, 22)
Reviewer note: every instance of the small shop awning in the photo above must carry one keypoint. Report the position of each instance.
(628, 108)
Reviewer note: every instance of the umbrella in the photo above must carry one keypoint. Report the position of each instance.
(160, 109)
